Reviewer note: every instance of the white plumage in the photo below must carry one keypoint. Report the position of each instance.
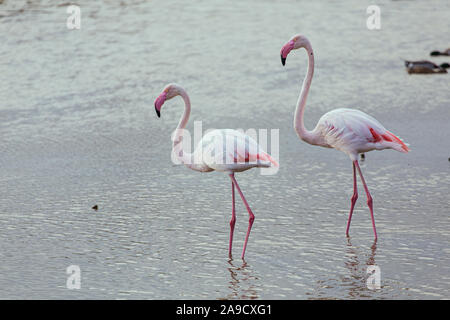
(223, 150)
(353, 131)
(348, 130)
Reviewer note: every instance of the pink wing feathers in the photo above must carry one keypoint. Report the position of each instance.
(247, 149)
(389, 137)
(246, 156)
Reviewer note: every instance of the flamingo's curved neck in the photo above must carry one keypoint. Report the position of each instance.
(177, 147)
(299, 125)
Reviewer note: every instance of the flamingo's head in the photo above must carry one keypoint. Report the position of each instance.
(296, 42)
(170, 91)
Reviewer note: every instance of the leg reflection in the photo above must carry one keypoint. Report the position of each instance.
(243, 283)
(356, 282)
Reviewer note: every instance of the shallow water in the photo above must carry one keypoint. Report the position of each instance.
(78, 128)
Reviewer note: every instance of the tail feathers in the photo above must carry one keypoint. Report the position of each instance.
(399, 144)
(266, 157)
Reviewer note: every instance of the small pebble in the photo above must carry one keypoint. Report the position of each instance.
(95, 207)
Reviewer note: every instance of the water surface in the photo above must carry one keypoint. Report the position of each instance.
(78, 128)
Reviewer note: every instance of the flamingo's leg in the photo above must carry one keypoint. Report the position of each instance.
(250, 213)
(354, 198)
(369, 199)
(233, 219)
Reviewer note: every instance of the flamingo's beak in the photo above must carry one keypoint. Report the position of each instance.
(285, 51)
(159, 102)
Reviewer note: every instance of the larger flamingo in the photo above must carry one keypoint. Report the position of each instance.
(223, 150)
(348, 130)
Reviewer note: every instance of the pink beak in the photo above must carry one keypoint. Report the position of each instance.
(285, 51)
(159, 102)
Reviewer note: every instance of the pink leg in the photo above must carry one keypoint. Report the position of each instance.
(250, 213)
(232, 221)
(369, 199)
(354, 198)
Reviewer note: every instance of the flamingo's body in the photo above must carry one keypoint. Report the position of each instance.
(224, 150)
(352, 131)
(242, 154)
(348, 130)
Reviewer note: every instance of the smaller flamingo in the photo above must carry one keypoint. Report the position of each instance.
(348, 130)
(223, 150)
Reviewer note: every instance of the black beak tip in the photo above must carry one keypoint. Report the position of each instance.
(283, 60)
(157, 112)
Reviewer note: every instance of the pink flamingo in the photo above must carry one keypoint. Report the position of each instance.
(348, 130)
(223, 150)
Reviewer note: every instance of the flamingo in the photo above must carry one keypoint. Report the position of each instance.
(348, 130)
(223, 150)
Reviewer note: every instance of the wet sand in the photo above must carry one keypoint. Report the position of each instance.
(78, 129)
